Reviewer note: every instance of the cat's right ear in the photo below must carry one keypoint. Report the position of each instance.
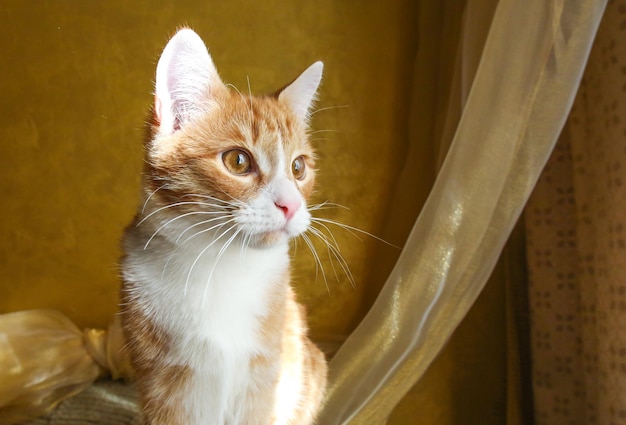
(300, 95)
(187, 82)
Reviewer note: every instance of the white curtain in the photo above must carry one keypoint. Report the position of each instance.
(521, 93)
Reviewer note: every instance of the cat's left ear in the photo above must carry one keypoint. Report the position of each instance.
(301, 94)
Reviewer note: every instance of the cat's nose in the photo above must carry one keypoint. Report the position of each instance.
(289, 208)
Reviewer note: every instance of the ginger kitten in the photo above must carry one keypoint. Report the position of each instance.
(213, 328)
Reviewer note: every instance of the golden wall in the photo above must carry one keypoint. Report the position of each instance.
(76, 82)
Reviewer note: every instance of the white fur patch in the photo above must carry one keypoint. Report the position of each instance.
(213, 313)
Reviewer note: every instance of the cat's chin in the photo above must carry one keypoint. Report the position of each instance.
(269, 239)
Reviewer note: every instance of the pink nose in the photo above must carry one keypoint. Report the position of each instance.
(289, 207)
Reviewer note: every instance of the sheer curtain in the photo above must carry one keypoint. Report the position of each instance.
(525, 83)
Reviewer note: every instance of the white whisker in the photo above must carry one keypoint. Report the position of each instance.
(323, 131)
(176, 204)
(167, 263)
(352, 230)
(217, 259)
(294, 245)
(329, 232)
(213, 198)
(234, 88)
(333, 250)
(250, 111)
(317, 259)
(326, 205)
(193, 265)
(328, 108)
(245, 242)
(235, 201)
(247, 100)
(315, 232)
(200, 223)
(167, 223)
(151, 195)
(209, 229)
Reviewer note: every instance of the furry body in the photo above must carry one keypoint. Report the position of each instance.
(213, 328)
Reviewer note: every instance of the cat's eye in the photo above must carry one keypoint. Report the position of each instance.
(298, 168)
(237, 161)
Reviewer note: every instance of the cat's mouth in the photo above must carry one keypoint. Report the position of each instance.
(269, 232)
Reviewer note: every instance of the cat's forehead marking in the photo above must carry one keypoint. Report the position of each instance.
(270, 155)
(264, 162)
(271, 134)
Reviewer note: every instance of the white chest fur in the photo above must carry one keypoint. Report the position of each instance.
(211, 309)
(202, 296)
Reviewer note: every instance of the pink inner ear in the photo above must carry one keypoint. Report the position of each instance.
(158, 115)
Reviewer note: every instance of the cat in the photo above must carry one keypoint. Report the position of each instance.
(213, 329)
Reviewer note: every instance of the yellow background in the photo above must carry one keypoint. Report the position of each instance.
(76, 81)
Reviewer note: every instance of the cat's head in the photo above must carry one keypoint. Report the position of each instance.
(221, 162)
